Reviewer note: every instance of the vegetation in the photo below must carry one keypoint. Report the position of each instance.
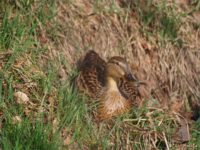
(40, 44)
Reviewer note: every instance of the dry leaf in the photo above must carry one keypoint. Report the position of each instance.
(43, 39)
(176, 105)
(196, 16)
(1, 113)
(144, 92)
(182, 134)
(182, 147)
(67, 140)
(147, 47)
(65, 136)
(55, 125)
(21, 98)
(63, 75)
(17, 119)
(27, 111)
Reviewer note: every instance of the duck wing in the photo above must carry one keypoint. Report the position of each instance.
(91, 78)
(129, 89)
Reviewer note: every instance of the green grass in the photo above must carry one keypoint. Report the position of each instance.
(195, 136)
(160, 18)
(27, 135)
(19, 31)
(28, 65)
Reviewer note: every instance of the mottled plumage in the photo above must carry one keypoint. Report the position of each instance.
(129, 89)
(91, 78)
(111, 83)
(112, 102)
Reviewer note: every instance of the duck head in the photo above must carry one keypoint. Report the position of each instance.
(117, 67)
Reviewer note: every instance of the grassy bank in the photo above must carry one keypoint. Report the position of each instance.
(40, 43)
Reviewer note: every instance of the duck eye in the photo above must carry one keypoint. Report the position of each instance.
(117, 63)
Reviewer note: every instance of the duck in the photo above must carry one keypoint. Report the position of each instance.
(119, 94)
(111, 83)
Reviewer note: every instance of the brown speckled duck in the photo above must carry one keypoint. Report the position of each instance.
(112, 83)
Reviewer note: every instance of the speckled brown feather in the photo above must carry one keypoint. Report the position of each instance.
(129, 89)
(92, 75)
(112, 104)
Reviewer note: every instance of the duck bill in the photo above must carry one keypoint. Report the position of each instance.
(129, 76)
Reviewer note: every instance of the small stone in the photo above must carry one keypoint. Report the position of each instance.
(21, 98)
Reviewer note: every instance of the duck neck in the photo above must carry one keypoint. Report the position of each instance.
(111, 84)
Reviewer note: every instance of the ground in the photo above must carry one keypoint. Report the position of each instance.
(40, 44)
